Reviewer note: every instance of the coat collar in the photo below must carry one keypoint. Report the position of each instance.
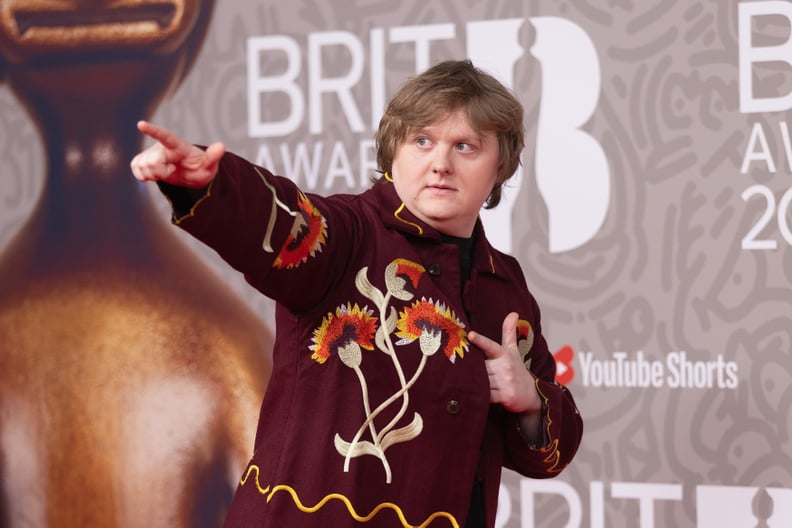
(395, 215)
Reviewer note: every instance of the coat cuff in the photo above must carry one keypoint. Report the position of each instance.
(562, 428)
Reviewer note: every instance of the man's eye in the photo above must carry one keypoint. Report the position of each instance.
(422, 141)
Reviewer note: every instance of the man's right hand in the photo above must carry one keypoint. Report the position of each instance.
(175, 161)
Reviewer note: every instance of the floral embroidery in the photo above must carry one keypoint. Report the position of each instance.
(348, 325)
(525, 340)
(432, 324)
(395, 274)
(351, 329)
(307, 236)
(308, 231)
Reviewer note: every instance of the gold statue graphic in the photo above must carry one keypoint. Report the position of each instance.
(130, 377)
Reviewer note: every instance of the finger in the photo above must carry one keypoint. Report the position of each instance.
(214, 153)
(509, 330)
(152, 164)
(491, 349)
(170, 140)
(140, 170)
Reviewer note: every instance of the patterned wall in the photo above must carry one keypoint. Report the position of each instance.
(652, 217)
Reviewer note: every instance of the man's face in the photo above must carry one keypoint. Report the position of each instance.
(444, 172)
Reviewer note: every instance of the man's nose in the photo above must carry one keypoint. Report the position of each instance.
(441, 163)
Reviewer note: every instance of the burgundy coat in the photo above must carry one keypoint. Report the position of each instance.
(377, 412)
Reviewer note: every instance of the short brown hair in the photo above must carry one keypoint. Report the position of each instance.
(443, 88)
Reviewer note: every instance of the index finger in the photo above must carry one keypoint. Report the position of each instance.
(170, 140)
(491, 348)
(508, 338)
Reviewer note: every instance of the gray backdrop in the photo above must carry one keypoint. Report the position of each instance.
(674, 312)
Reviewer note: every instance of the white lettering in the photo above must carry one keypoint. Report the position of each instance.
(785, 140)
(482, 38)
(300, 163)
(264, 157)
(570, 90)
(684, 373)
(339, 167)
(757, 135)
(377, 66)
(310, 168)
(504, 507)
(367, 162)
(597, 504)
(748, 55)
(623, 371)
(646, 495)
(258, 85)
(714, 505)
(341, 86)
(529, 488)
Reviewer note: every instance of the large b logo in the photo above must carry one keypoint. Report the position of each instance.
(571, 168)
(750, 54)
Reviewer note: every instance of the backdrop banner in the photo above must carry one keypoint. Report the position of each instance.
(652, 216)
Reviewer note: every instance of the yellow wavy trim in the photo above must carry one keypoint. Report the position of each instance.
(400, 219)
(553, 458)
(269, 492)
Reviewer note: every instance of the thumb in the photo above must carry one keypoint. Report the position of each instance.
(509, 330)
(214, 153)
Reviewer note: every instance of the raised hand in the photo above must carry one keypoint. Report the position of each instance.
(511, 384)
(174, 160)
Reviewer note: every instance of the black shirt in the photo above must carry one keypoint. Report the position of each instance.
(475, 517)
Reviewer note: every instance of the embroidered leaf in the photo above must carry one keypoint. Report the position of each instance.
(403, 434)
(361, 447)
(390, 322)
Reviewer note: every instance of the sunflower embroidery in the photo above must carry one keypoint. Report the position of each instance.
(307, 236)
(351, 329)
(435, 326)
(349, 324)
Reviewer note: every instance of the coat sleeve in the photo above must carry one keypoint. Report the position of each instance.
(562, 423)
(281, 239)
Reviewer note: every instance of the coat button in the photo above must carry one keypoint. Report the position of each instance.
(453, 407)
(434, 269)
